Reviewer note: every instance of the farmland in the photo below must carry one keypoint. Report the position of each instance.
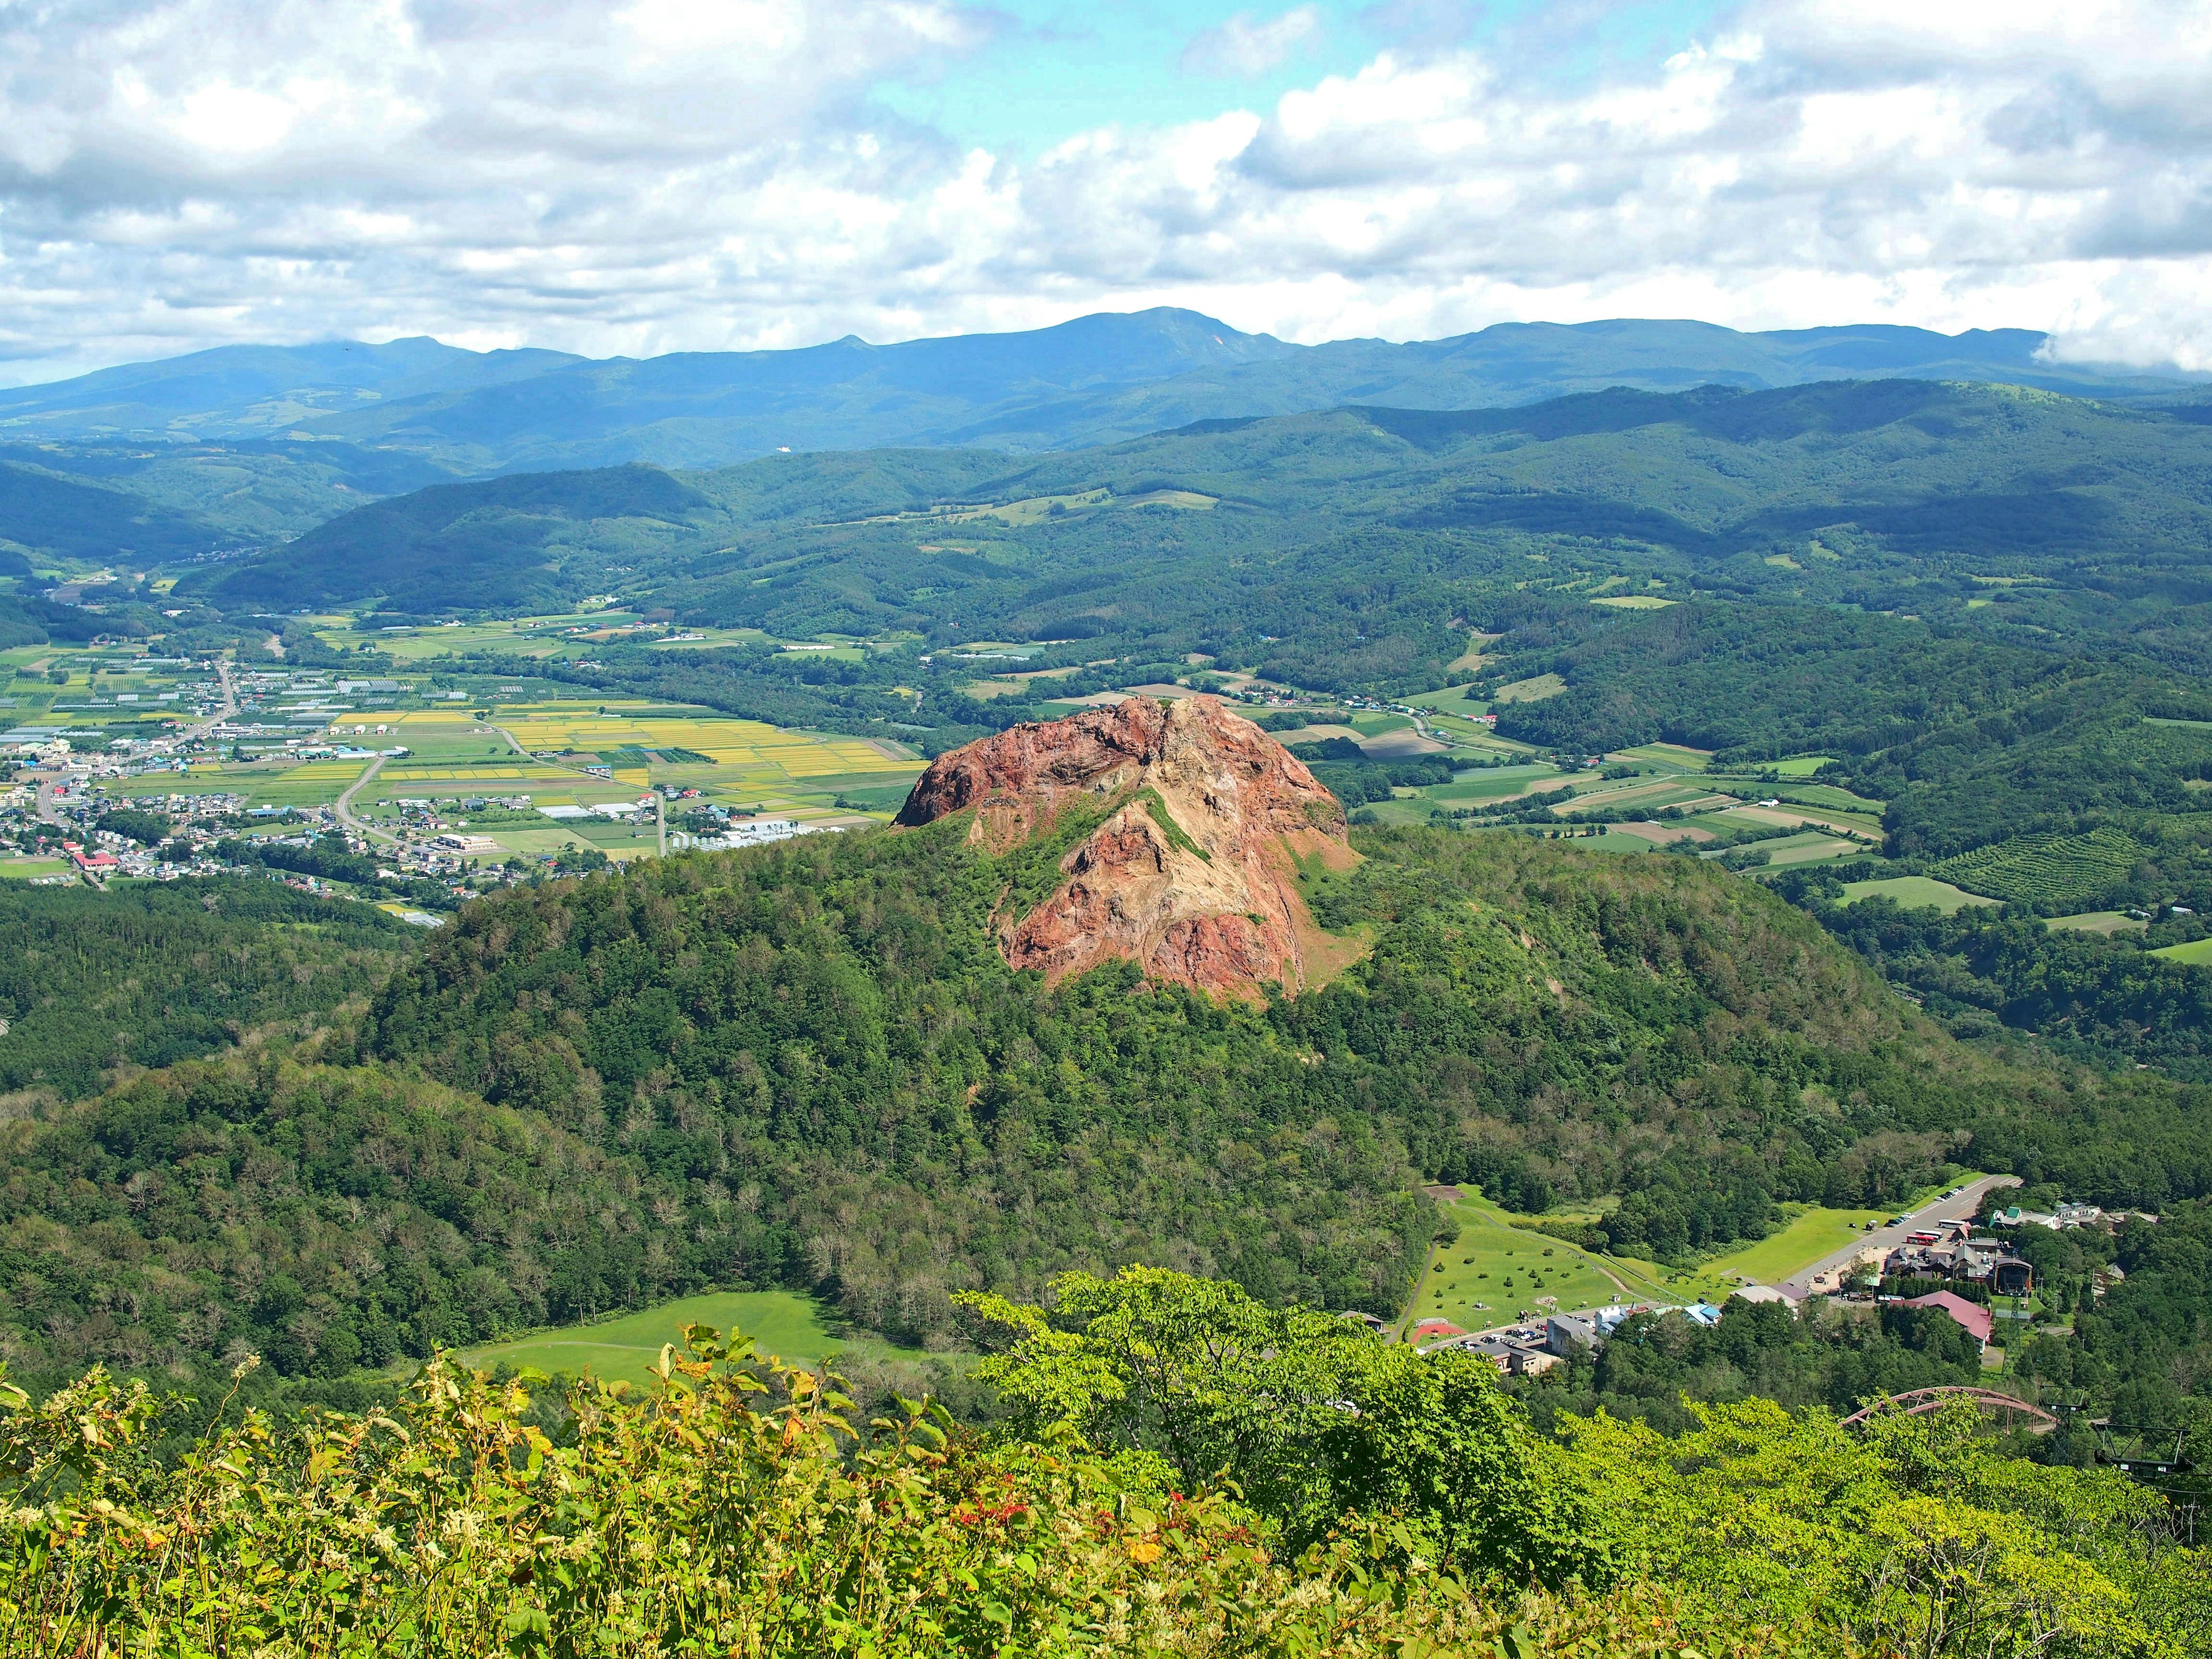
(2056, 868)
(1914, 892)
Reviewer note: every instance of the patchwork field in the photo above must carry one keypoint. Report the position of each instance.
(1813, 848)
(745, 766)
(1672, 754)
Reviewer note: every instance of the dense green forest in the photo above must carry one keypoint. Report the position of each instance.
(146, 975)
(2106, 1000)
(808, 1065)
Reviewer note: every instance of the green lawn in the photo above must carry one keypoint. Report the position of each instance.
(2197, 949)
(2099, 921)
(26, 869)
(778, 1321)
(1494, 1272)
(1914, 893)
(1803, 1242)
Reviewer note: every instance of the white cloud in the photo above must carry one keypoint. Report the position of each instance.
(702, 175)
(1245, 46)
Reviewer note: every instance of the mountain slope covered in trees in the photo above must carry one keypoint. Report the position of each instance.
(810, 1066)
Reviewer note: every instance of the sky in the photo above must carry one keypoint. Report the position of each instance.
(636, 178)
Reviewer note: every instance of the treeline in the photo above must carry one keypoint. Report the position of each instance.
(767, 1018)
(1754, 683)
(2104, 999)
(1658, 1367)
(144, 975)
(329, 1218)
(329, 857)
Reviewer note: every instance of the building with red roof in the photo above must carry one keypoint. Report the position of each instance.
(1972, 1318)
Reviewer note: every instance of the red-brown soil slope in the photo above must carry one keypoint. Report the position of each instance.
(1191, 870)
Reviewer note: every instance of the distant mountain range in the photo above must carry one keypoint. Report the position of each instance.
(1096, 380)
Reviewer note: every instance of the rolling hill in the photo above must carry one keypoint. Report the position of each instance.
(1335, 546)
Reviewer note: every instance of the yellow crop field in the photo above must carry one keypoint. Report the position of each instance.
(727, 742)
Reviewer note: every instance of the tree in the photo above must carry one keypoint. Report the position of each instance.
(1308, 1417)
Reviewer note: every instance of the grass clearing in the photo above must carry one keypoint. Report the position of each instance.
(779, 1323)
(1808, 1237)
(2196, 951)
(2108, 923)
(1914, 893)
(1493, 1274)
(1533, 689)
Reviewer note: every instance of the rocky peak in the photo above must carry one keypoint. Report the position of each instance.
(1187, 823)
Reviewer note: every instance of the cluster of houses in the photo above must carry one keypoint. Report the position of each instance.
(1964, 1252)
(1532, 1348)
(1956, 1251)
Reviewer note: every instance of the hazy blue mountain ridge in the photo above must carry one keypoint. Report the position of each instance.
(1091, 380)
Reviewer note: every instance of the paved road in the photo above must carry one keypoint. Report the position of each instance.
(1960, 1208)
(345, 803)
(230, 706)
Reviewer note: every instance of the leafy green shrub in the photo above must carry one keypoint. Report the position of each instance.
(732, 1510)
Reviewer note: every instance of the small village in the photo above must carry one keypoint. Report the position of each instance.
(1965, 1268)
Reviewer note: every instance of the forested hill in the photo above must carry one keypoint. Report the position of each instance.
(809, 1066)
(1335, 550)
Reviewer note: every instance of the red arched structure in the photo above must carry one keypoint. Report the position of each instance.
(1915, 1402)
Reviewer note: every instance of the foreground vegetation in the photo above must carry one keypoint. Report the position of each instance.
(1187, 1472)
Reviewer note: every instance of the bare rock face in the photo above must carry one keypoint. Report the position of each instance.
(1193, 822)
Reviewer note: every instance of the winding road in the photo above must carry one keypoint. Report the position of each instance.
(344, 805)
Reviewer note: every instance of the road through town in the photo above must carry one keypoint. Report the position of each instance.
(344, 806)
(1962, 1205)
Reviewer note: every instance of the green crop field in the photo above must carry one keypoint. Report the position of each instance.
(1914, 893)
(1473, 788)
(2058, 867)
(2197, 949)
(778, 1321)
(1672, 754)
(1813, 848)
